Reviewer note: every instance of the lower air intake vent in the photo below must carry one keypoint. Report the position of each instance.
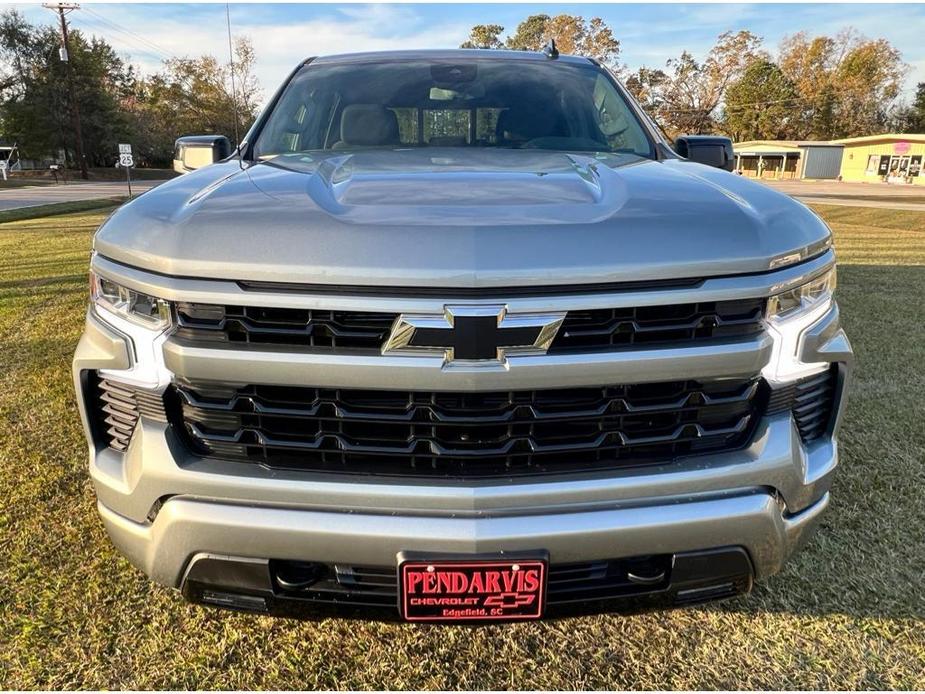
(813, 403)
(377, 586)
(811, 400)
(119, 405)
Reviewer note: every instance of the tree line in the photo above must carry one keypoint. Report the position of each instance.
(116, 103)
(812, 87)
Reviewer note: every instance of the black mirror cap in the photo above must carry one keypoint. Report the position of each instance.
(712, 150)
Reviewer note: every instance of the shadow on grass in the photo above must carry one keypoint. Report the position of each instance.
(27, 287)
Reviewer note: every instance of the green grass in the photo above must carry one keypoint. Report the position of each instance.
(38, 178)
(58, 208)
(836, 197)
(19, 181)
(847, 613)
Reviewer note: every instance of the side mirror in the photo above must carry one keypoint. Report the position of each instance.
(195, 151)
(711, 150)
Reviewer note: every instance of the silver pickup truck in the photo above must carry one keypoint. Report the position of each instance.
(458, 335)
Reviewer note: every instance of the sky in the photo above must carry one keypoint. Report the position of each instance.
(284, 34)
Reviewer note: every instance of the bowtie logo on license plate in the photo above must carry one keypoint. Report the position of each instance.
(473, 334)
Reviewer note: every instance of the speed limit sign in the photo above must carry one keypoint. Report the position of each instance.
(126, 161)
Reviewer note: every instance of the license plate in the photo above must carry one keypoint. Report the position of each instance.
(478, 589)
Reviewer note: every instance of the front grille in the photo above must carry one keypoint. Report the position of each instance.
(811, 400)
(466, 434)
(582, 330)
(118, 408)
(369, 586)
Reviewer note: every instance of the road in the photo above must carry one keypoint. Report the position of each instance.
(14, 198)
(896, 197)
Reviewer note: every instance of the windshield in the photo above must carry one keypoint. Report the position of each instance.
(514, 104)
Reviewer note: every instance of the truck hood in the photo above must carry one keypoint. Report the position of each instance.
(458, 218)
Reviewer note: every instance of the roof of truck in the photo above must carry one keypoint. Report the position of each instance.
(446, 54)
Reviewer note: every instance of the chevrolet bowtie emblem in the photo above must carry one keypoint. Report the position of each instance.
(486, 334)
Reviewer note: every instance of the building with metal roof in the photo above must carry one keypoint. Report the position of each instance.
(788, 159)
(885, 158)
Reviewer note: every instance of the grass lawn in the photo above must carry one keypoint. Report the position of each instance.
(849, 612)
(19, 181)
(60, 208)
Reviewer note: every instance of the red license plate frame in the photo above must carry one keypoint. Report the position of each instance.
(478, 589)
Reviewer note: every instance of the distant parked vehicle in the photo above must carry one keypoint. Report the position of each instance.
(9, 158)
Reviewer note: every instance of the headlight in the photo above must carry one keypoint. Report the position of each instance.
(137, 307)
(802, 299)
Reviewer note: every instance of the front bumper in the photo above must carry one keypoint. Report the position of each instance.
(237, 539)
(168, 510)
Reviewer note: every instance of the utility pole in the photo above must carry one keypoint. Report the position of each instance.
(64, 8)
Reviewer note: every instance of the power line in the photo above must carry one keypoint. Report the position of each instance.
(139, 43)
(132, 46)
(167, 54)
(162, 53)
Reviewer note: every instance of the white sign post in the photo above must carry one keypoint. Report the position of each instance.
(3, 168)
(127, 161)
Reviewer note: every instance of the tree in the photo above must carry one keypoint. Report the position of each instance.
(692, 92)
(846, 83)
(868, 81)
(911, 118)
(484, 36)
(193, 96)
(600, 43)
(530, 34)
(573, 34)
(759, 105)
(646, 85)
(190, 95)
(34, 99)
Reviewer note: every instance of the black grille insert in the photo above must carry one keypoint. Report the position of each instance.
(675, 323)
(283, 326)
(582, 330)
(466, 434)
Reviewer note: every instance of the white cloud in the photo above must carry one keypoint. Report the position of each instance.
(279, 45)
(282, 39)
